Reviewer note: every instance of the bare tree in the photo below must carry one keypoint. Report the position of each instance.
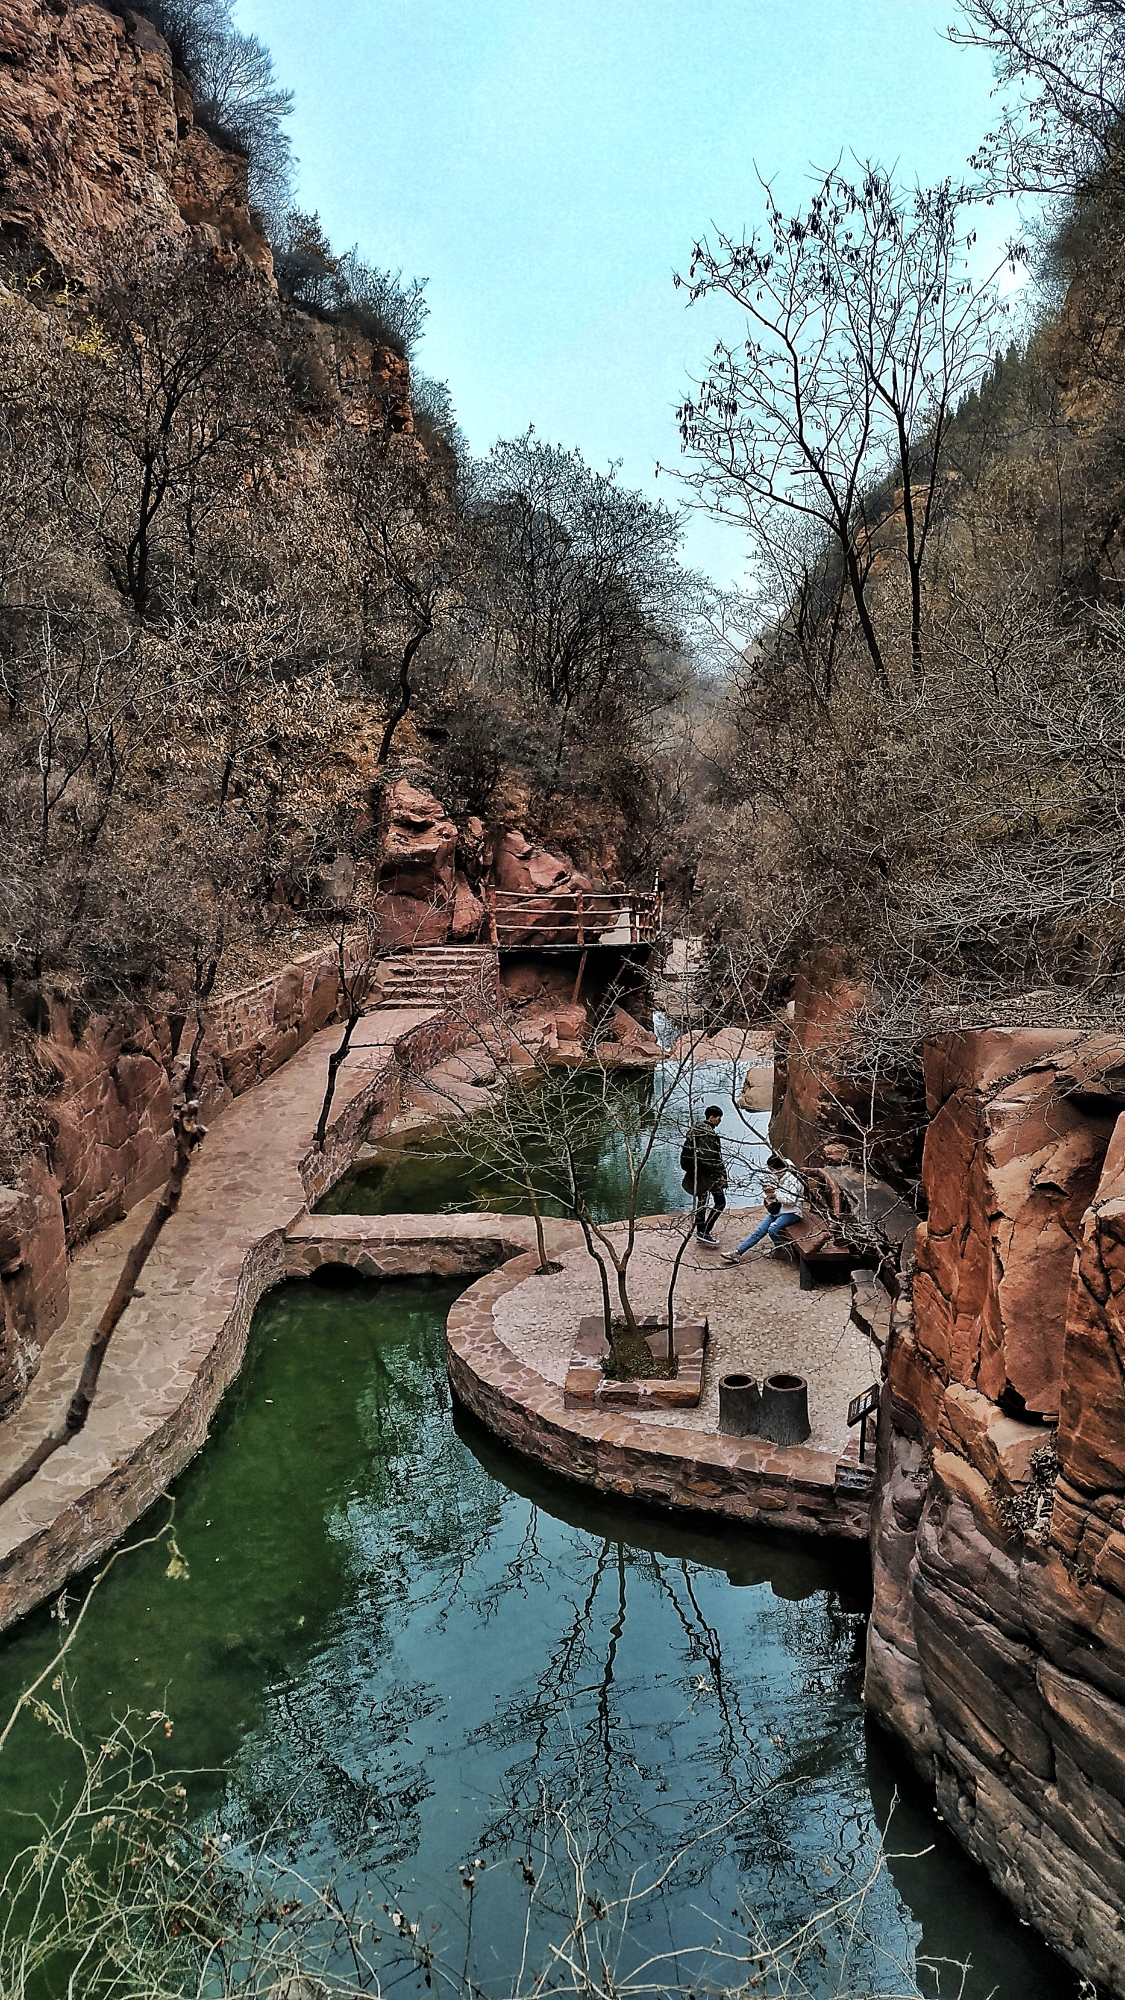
(237, 95)
(864, 329)
(169, 410)
(405, 564)
(584, 596)
(343, 286)
(356, 939)
(1068, 58)
(544, 1131)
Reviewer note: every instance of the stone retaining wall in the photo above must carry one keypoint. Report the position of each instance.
(415, 1052)
(73, 1537)
(110, 1131)
(252, 1032)
(736, 1479)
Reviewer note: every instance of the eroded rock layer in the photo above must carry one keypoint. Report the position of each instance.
(97, 136)
(996, 1650)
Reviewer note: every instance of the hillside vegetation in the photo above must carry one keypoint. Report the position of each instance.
(922, 756)
(250, 574)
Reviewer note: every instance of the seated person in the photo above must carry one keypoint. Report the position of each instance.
(783, 1194)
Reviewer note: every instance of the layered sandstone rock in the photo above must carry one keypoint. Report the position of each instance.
(1089, 1524)
(544, 884)
(580, 1034)
(333, 371)
(1013, 1152)
(109, 1136)
(98, 141)
(34, 1294)
(424, 896)
(111, 1118)
(97, 138)
(996, 1650)
(442, 883)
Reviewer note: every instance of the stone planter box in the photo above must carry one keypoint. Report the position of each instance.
(588, 1389)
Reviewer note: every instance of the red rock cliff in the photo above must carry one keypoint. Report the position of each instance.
(996, 1650)
(97, 136)
(98, 141)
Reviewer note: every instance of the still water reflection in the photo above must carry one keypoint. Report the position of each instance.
(433, 1172)
(399, 1652)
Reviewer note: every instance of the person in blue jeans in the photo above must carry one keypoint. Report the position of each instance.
(786, 1189)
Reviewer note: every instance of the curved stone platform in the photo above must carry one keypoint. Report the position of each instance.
(243, 1226)
(670, 1466)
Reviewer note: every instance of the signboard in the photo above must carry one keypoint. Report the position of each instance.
(854, 1478)
(864, 1405)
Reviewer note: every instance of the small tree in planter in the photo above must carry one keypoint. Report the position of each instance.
(544, 1132)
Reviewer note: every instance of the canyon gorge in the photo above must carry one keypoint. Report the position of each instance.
(364, 756)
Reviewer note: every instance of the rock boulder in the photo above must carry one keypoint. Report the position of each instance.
(418, 888)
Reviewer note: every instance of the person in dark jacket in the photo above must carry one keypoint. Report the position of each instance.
(705, 1174)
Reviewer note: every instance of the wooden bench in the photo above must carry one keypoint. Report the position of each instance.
(831, 1259)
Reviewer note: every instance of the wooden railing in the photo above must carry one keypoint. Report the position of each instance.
(573, 917)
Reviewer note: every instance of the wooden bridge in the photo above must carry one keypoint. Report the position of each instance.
(572, 919)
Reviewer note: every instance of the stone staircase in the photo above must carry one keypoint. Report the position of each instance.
(440, 976)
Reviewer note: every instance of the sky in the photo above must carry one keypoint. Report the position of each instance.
(548, 164)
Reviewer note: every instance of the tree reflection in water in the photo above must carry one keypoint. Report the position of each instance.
(398, 1653)
(515, 1673)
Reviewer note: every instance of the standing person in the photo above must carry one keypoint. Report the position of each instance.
(783, 1205)
(705, 1174)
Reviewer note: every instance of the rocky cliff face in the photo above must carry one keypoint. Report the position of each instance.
(97, 136)
(434, 876)
(98, 142)
(996, 1649)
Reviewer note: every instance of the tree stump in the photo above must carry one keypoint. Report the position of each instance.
(785, 1409)
(740, 1406)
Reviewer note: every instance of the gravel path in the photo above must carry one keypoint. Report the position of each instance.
(760, 1322)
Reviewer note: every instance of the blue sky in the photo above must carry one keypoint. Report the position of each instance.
(547, 164)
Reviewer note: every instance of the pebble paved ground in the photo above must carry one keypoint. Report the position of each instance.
(760, 1323)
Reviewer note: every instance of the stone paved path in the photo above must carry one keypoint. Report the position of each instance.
(182, 1337)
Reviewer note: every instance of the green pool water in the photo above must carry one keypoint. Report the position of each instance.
(398, 1650)
(433, 1172)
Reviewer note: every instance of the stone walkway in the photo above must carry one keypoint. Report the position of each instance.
(182, 1338)
(243, 1226)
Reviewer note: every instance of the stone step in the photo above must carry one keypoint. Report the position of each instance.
(468, 970)
(438, 975)
(450, 982)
